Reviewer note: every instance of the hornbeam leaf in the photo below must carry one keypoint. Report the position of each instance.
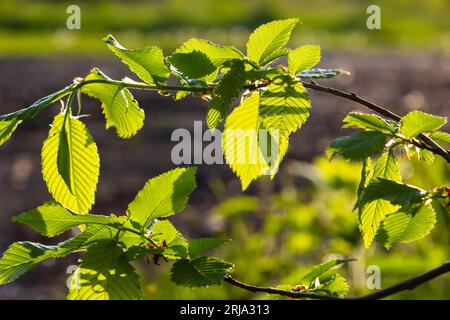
(372, 214)
(250, 149)
(407, 225)
(148, 63)
(392, 191)
(357, 146)
(318, 73)
(37, 106)
(368, 122)
(200, 272)
(417, 122)
(227, 90)
(7, 127)
(23, 256)
(284, 107)
(162, 196)
(441, 136)
(317, 271)
(303, 58)
(193, 65)
(50, 219)
(76, 157)
(265, 42)
(105, 274)
(200, 245)
(217, 54)
(120, 108)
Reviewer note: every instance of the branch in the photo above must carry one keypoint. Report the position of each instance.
(424, 143)
(409, 284)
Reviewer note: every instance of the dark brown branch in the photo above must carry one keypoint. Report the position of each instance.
(286, 293)
(409, 284)
(424, 142)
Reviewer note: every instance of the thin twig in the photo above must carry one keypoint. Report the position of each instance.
(424, 143)
(409, 284)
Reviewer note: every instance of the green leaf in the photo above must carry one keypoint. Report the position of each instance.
(200, 272)
(23, 256)
(37, 106)
(162, 196)
(336, 286)
(193, 65)
(441, 136)
(368, 122)
(250, 149)
(407, 225)
(7, 127)
(217, 54)
(417, 122)
(148, 63)
(308, 279)
(173, 243)
(318, 73)
(357, 146)
(265, 42)
(105, 274)
(70, 164)
(371, 214)
(413, 152)
(366, 175)
(303, 58)
(224, 94)
(198, 246)
(394, 192)
(120, 108)
(50, 219)
(284, 107)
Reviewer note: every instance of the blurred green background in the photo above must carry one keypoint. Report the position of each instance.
(279, 228)
(38, 27)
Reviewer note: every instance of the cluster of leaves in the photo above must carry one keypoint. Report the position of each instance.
(272, 101)
(110, 243)
(389, 210)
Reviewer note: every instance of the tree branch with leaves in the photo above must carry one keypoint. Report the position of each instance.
(273, 98)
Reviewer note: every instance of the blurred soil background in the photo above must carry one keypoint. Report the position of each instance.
(403, 66)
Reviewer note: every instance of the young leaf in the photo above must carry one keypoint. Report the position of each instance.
(368, 122)
(162, 196)
(105, 274)
(23, 256)
(7, 127)
(37, 106)
(217, 54)
(284, 107)
(148, 63)
(357, 146)
(319, 270)
(303, 58)
(245, 150)
(70, 164)
(120, 108)
(441, 136)
(200, 272)
(318, 73)
(170, 239)
(407, 225)
(336, 286)
(50, 219)
(394, 192)
(265, 42)
(225, 93)
(193, 65)
(417, 122)
(198, 246)
(371, 215)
